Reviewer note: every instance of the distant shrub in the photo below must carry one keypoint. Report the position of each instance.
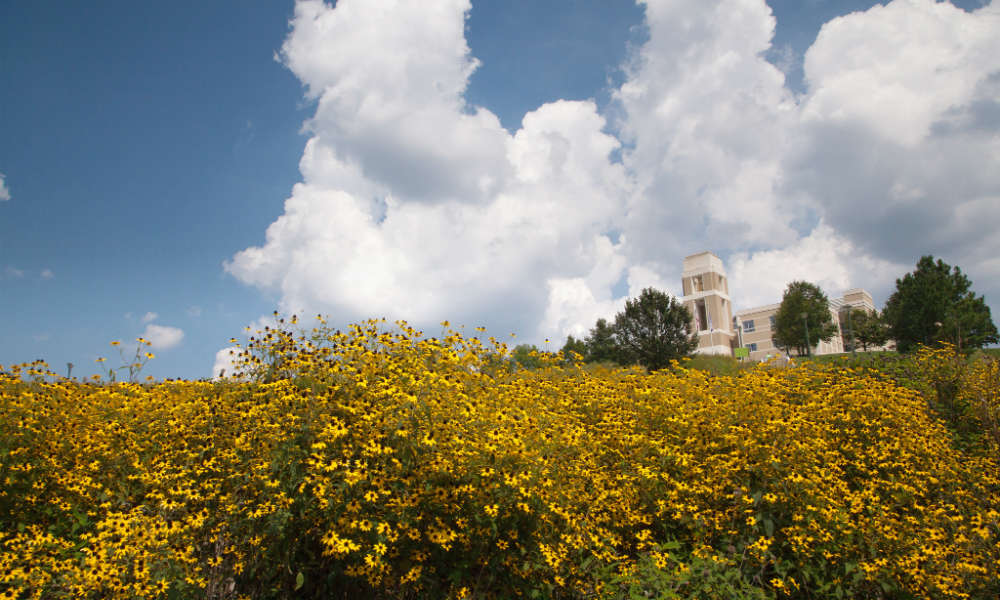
(716, 365)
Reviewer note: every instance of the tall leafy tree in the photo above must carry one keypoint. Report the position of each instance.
(935, 303)
(601, 343)
(804, 311)
(574, 345)
(654, 329)
(870, 329)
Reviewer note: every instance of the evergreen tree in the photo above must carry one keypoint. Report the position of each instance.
(601, 343)
(935, 304)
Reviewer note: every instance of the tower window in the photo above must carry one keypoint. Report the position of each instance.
(701, 316)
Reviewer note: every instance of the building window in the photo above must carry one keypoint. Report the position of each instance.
(772, 321)
(702, 321)
(752, 347)
(697, 283)
(748, 326)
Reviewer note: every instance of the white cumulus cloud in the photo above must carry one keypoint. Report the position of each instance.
(163, 337)
(4, 190)
(823, 258)
(224, 361)
(149, 317)
(414, 204)
(898, 141)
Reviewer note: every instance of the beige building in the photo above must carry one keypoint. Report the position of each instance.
(856, 298)
(755, 326)
(706, 295)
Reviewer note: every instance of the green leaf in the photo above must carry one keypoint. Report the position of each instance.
(300, 579)
(769, 527)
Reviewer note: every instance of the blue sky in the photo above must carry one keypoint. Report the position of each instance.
(147, 148)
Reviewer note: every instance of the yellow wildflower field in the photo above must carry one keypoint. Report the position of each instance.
(380, 463)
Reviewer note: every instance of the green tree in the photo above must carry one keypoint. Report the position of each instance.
(601, 343)
(870, 329)
(654, 329)
(574, 345)
(527, 356)
(935, 304)
(804, 308)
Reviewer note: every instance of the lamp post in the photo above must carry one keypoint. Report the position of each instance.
(805, 319)
(850, 328)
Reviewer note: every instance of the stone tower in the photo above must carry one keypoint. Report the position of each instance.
(706, 295)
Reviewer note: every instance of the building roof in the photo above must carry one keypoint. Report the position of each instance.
(757, 309)
(702, 262)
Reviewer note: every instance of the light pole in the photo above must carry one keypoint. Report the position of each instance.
(850, 328)
(739, 331)
(805, 319)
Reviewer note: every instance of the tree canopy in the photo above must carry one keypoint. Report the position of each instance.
(601, 343)
(654, 329)
(935, 303)
(527, 356)
(869, 329)
(804, 308)
(574, 345)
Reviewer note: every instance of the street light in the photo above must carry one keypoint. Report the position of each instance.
(850, 328)
(805, 319)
